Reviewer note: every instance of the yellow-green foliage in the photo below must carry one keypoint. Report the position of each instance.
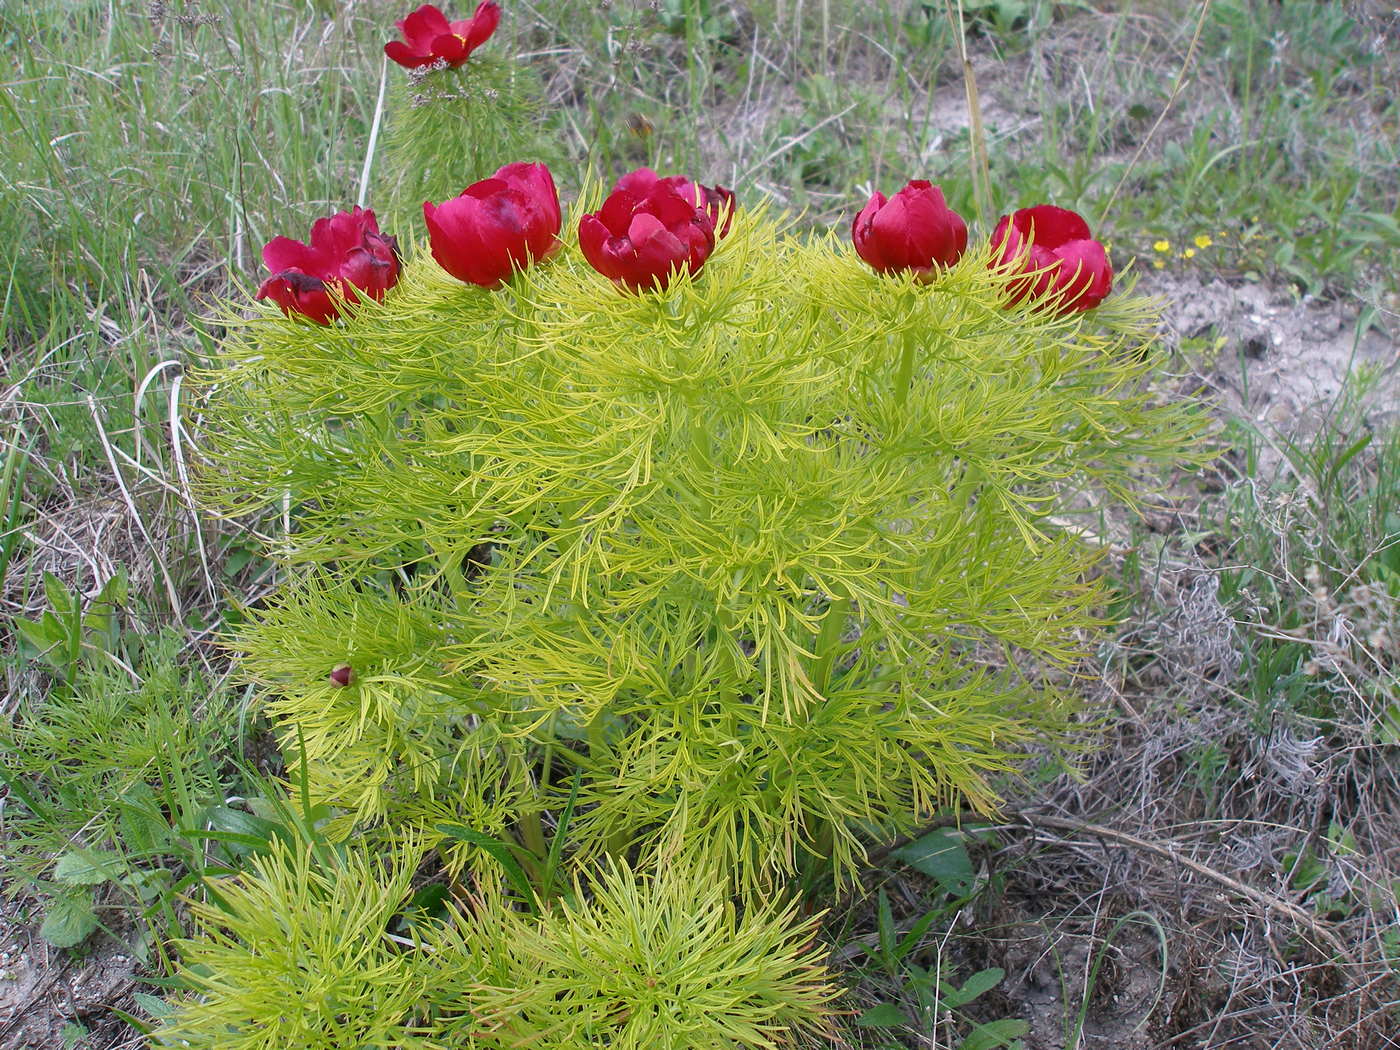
(774, 560)
(295, 953)
(647, 962)
(299, 952)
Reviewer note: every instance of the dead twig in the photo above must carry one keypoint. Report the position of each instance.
(1168, 851)
(1269, 901)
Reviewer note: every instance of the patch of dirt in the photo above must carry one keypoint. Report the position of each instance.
(1050, 982)
(1282, 362)
(43, 988)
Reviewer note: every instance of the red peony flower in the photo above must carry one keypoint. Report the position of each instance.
(1054, 248)
(913, 230)
(431, 37)
(648, 230)
(347, 252)
(717, 201)
(496, 226)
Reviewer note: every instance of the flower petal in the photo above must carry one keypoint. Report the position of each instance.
(405, 56)
(1085, 276)
(483, 24)
(1051, 226)
(593, 238)
(422, 27)
(616, 212)
(456, 242)
(300, 294)
(637, 183)
(283, 253)
(861, 237)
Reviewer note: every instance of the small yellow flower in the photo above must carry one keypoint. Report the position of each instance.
(1162, 246)
(1189, 253)
(1203, 240)
(1158, 264)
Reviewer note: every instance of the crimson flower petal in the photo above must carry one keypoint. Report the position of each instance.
(483, 24)
(423, 26)
(496, 226)
(1058, 255)
(1051, 226)
(451, 48)
(283, 253)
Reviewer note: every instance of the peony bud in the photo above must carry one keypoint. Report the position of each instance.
(496, 226)
(1054, 248)
(913, 230)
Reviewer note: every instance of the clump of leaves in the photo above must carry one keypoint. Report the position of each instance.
(297, 952)
(766, 562)
(115, 772)
(662, 962)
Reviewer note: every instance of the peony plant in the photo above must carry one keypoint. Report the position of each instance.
(458, 109)
(760, 550)
(642, 572)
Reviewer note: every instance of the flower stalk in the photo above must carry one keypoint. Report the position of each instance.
(904, 378)
(833, 626)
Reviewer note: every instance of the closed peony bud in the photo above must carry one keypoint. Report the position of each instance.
(913, 230)
(342, 675)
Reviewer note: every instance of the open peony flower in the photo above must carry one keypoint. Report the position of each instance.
(428, 36)
(913, 230)
(1054, 248)
(496, 226)
(648, 230)
(346, 252)
(717, 201)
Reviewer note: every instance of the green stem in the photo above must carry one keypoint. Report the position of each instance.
(905, 377)
(532, 833)
(530, 824)
(815, 860)
(970, 482)
(598, 746)
(597, 738)
(829, 641)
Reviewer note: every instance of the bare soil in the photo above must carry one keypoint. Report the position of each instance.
(1280, 361)
(43, 989)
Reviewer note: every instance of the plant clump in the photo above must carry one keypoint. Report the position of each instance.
(653, 569)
